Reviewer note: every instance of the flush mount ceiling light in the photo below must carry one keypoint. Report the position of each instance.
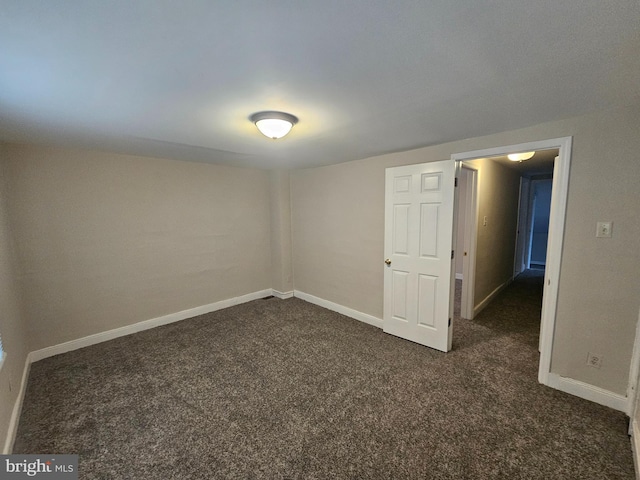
(519, 157)
(273, 124)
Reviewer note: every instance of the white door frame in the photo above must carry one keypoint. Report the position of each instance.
(559, 193)
(470, 243)
(633, 397)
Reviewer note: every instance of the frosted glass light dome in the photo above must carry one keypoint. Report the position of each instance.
(519, 157)
(274, 124)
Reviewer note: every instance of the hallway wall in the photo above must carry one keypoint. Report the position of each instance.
(498, 192)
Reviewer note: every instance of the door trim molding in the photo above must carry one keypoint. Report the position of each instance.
(12, 431)
(467, 300)
(559, 195)
(634, 374)
(634, 430)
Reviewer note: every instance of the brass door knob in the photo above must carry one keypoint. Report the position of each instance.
(387, 261)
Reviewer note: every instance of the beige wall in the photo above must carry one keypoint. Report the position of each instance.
(498, 191)
(12, 322)
(106, 240)
(338, 226)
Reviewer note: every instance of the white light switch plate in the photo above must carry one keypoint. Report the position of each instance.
(603, 229)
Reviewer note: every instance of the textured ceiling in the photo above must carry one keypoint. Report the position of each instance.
(179, 79)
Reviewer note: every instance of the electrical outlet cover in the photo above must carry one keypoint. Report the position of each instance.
(594, 360)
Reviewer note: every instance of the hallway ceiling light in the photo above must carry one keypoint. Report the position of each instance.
(273, 124)
(519, 157)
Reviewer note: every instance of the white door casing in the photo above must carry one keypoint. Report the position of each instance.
(419, 211)
(470, 243)
(559, 194)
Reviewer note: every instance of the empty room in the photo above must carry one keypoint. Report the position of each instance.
(279, 240)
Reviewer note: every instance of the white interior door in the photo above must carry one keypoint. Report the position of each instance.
(419, 210)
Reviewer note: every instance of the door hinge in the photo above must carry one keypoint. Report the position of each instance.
(449, 322)
(451, 254)
(455, 183)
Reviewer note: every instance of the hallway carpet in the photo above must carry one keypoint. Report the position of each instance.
(285, 389)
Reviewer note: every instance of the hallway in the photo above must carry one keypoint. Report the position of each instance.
(516, 311)
(502, 346)
(507, 331)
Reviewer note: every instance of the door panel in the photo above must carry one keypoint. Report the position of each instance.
(418, 237)
(401, 229)
(429, 230)
(427, 290)
(400, 295)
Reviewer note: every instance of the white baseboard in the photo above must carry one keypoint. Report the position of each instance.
(349, 312)
(17, 409)
(282, 295)
(587, 391)
(567, 385)
(481, 306)
(459, 276)
(144, 325)
(635, 446)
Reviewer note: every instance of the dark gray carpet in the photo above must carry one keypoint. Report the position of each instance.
(285, 389)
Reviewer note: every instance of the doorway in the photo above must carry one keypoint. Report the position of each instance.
(467, 210)
(539, 236)
(559, 191)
